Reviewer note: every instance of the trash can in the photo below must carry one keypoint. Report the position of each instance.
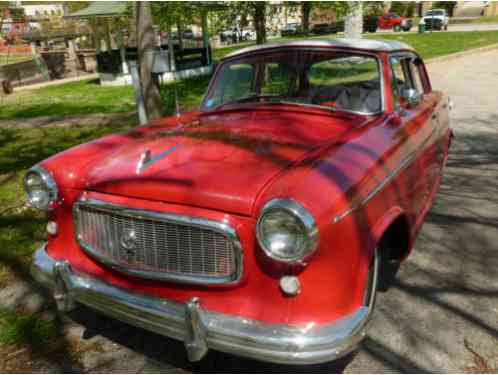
(421, 28)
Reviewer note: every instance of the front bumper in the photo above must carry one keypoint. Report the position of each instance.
(200, 329)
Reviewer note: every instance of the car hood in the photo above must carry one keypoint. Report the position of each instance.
(218, 161)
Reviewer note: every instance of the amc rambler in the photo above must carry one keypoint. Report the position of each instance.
(263, 223)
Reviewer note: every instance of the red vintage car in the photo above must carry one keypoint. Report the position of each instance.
(263, 223)
(394, 22)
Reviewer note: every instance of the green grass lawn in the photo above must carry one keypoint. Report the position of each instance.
(23, 230)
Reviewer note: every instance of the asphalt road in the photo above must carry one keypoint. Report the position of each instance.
(445, 294)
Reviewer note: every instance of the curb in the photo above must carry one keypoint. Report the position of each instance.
(461, 54)
(56, 82)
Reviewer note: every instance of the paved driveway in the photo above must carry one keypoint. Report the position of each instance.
(446, 294)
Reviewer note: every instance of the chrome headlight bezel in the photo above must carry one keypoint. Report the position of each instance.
(51, 186)
(307, 221)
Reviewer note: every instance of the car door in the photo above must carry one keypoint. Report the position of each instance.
(418, 130)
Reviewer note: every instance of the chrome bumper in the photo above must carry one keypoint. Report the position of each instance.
(200, 329)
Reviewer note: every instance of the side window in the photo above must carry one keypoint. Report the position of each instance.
(417, 79)
(398, 79)
(406, 75)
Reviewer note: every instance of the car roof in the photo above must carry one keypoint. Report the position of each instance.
(359, 44)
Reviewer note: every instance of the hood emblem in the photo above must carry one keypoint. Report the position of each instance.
(146, 160)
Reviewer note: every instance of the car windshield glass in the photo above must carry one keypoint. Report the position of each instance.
(332, 80)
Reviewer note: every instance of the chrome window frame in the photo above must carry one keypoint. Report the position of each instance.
(220, 227)
(374, 55)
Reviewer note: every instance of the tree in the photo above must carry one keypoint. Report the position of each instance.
(259, 17)
(353, 24)
(146, 43)
(403, 8)
(306, 7)
(448, 5)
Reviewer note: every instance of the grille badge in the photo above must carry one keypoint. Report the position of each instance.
(129, 243)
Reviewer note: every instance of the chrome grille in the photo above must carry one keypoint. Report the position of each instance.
(156, 245)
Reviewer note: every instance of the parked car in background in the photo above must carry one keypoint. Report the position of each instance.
(394, 22)
(264, 222)
(321, 28)
(435, 19)
(290, 29)
(188, 34)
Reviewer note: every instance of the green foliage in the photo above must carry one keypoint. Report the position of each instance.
(373, 8)
(27, 329)
(403, 8)
(74, 6)
(448, 5)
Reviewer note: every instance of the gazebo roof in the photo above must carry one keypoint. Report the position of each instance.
(100, 9)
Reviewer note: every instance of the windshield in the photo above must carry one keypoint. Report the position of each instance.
(435, 13)
(332, 80)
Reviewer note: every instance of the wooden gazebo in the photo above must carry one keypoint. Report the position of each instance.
(114, 50)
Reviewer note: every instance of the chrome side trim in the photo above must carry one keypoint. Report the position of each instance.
(303, 344)
(405, 162)
(217, 226)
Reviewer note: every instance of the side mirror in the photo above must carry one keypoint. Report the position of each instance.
(411, 96)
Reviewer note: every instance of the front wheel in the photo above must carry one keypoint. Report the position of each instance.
(397, 28)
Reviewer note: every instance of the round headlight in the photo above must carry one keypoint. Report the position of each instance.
(41, 188)
(286, 231)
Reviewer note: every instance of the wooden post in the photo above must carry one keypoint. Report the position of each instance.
(108, 40)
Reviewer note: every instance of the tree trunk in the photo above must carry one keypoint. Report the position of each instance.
(305, 15)
(260, 21)
(179, 28)
(353, 25)
(146, 43)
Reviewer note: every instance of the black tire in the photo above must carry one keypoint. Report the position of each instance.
(388, 268)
